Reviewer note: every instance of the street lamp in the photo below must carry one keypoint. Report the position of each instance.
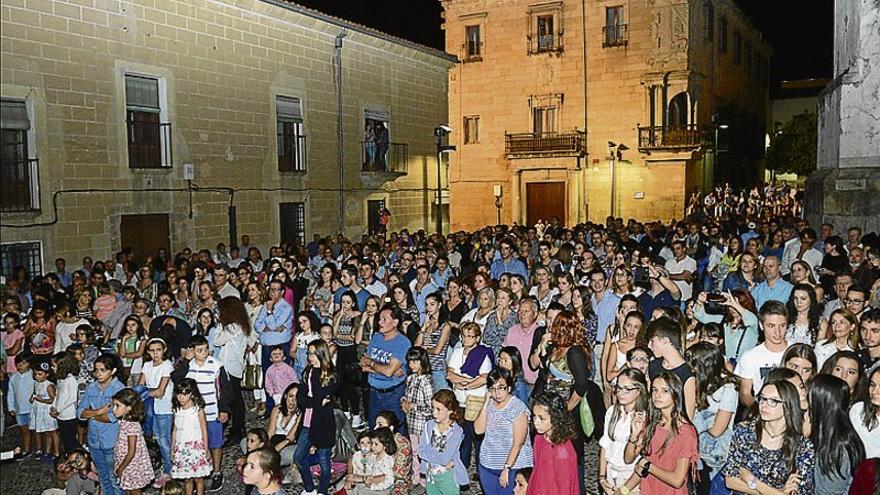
(439, 132)
(615, 153)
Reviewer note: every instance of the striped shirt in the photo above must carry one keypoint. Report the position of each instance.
(499, 436)
(207, 377)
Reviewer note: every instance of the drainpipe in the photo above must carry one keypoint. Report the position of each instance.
(340, 134)
(584, 199)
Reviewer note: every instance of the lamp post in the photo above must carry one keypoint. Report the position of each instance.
(615, 153)
(439, 132)
(715, 152)
(496, 191)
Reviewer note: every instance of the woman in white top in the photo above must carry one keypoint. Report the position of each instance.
(544, 290)
(631, 398)
(232, 337)
(485, 306)
(64, 410)
(865, 414)
(843, 335)
(282, 425)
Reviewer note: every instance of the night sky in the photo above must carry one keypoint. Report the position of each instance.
(801, 33)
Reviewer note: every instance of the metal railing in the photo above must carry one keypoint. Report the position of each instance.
(671, 137)
(614, 35)
(291, 153)
(149, 144)
(544, 43)
(19, 189)
(472, 51)
(521, 145)
(392, 157)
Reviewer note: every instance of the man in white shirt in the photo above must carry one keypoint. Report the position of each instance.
(681, 268)
(807, 250)
(370, 282)
(221, 279)
(790, 250)
(754, 365)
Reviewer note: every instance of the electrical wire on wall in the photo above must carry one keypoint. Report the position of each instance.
(193, 188)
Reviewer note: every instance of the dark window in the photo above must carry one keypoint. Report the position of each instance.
(748, 52)
(615, 29)
(291, 140)
(546, 40)
(293, 223)
(374, 214)
(474, 43)
(737, 47)
(149, 139)
(722, 34)
(544, 120)
(26, 254)
(18, 173)
(471, 129)
(708, 21)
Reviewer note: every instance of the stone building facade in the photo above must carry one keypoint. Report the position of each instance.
(175, 123)
(843, 190)
(583, 109)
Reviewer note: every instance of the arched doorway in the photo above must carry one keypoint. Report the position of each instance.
(678, 110)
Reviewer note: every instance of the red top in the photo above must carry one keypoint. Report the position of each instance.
(555, 470)
(684, 445)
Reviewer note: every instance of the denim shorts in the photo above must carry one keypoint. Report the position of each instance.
(23, 419)
(215, 434)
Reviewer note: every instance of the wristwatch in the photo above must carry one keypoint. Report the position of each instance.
(506, 466)
(645, 469)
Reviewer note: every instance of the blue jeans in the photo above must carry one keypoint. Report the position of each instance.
(104, 462)
(302, 459)
(388, 401)
(466, 450)
(438, 379)
(162, 428)
(489, 481)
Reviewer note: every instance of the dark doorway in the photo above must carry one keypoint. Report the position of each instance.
(293, 223)
(545, 200)
(145, 234)
(678, 110)
(374, 211)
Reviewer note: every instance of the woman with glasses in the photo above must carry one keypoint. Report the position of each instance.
(504, 420)
(768, 454)
(630, 397)
(717, 401)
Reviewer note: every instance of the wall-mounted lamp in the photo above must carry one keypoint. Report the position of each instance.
(496, 191)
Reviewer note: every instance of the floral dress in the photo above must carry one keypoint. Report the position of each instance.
(189, 454)
(768, 466)
(139, 472)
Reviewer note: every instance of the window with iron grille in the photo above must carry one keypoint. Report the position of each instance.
(19, 178)
(471, 129)
(149, 139)
(474, 43)
(291, 139)
(722, 34)
(293, 223)
(27, 254)
(708, 21)
(615, 29)
(546, 35)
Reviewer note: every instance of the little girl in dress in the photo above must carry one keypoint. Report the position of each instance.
(190, 459)
(133, 468)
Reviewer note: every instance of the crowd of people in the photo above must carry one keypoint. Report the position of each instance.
(736, 351)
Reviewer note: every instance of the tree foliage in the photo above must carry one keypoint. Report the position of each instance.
(793, 149)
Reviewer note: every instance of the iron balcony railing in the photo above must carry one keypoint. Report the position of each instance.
(528, 144)
(614, 35)
(392, 157)
(544, 43)
(19, 189)
(671, 137)
(149, 143)
(472, 51)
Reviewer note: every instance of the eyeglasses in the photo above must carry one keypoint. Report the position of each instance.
(769, 401)
(854, 301)
(274, 290)
(625, 390)
(498, 389)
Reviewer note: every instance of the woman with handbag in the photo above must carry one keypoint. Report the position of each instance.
(469, 365)
(253, 380)
(565, 369)
(231, 337)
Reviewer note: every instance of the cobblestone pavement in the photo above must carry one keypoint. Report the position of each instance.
(31, 477)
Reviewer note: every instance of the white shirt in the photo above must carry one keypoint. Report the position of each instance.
(65, 400)
(675, 267)
(756, 363)
(789, 254)
(456, 360)
(63, 331)
(231, 340)
(870, 438)
(826, 350)
(153, 377)
(376, 288)
(228, 291)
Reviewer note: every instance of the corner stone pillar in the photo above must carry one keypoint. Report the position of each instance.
(845, 189)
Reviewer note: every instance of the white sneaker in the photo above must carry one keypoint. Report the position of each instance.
(313, 492)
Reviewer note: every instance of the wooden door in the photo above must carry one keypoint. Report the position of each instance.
(545, 200)
(145, 234)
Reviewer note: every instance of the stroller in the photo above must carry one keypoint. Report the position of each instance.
(346, 443)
